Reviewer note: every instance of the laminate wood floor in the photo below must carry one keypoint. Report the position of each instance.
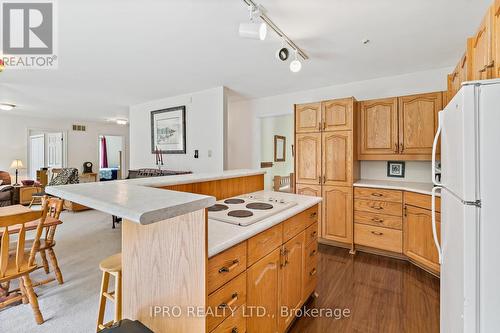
(382, 295)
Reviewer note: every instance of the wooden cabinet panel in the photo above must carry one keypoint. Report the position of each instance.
(226, 265)
(378, 194)
(418, 116)
(496, 39)
(312, 233)
(337, 213)
(315, 191)
(299, 222)
(308, 158)
(379, 220)
(337, 114)
(459, 75)
(310, 278)
(378, 207)
(291, 278)
(260, 245)
(307, 118)
(263, 279)
(380, 238)
(482, 57)
(378, 128)
(337, 158)
(421, 201)
(235, 323)
(419, 241)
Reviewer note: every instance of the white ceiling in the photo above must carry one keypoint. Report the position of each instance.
(116, 53)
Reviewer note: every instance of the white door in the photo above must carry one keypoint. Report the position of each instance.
(37, 154)
(55, 150)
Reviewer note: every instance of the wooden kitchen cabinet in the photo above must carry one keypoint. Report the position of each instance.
(337, 114)
(337, 151)
(378, 128)
(314, 191)
(337, 213)
(459, 75)
(308, 118)
(418, 238)
(482, 49)
(291, 273)
(418, 121)
(263, 279)
(308, 158)
(496, 39)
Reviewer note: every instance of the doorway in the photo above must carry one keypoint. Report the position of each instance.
(46, 149)
(111, 157)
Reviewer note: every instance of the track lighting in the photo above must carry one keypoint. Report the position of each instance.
(6, 106)
(253, 30)
(295, 65)
(121, 121)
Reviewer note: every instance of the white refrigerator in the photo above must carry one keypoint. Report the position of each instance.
(469, 128)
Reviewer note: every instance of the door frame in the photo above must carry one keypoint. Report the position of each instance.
(123, 162)
(45, 131)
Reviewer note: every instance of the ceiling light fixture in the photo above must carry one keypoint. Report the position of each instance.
(6, 106)
(253, 30)
(122, 121)
(295, 65)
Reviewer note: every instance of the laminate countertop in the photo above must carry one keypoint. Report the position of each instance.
(222, 236)
(140, 200)
(422, 188)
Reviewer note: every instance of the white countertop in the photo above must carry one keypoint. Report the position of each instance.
(139, 201)
(423, 188)
(222, 236)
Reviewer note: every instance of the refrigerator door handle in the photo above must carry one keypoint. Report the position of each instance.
(434, 229)
(434, 149)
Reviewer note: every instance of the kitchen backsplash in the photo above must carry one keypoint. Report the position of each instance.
(415, 171)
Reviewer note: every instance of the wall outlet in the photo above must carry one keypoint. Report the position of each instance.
(196, 155)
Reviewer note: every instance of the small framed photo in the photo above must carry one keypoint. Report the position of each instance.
(396, 169)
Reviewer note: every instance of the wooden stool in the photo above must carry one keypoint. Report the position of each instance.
(110, 266)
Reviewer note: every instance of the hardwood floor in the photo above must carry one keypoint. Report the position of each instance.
(382, 295)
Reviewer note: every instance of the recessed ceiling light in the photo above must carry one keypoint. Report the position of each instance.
(121, 121)
(6, 106)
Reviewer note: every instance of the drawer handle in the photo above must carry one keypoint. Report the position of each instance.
(313, 215)
(377, 233)
(377, 208)
(226, 269)
(376, 220)
(313, 272)
(234, 298)
(377, 195)
(314, 233)
(234, 330)
(313, 252)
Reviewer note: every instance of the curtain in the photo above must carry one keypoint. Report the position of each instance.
(104, 153)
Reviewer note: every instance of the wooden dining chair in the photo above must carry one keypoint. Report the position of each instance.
(20, 264)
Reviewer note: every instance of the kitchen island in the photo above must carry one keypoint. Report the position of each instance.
(167, 240)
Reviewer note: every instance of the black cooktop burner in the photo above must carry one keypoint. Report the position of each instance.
(217, 208)
(240, 213)
(259, 206)
(234, 201)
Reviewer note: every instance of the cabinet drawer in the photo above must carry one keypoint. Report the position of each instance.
(223, 301)
(226, 265)
(380, 238)
(260, 245)
(236, 322)
(312, 233)
(378, 207)
(378, 194)
(421, 200)
(294, 225)
(311, 255)
(311, 269)
(379, 220)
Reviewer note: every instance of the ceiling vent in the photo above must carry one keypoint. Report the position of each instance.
(79, 128)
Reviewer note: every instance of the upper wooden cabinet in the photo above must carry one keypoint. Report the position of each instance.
(378, 128)
(482, 49)
(308, 158)
(399, 128)
(418, 117)
(459, 75)
(337, 115)
(337, 150)
(308, 118)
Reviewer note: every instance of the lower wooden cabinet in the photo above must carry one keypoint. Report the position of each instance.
(337, 214)
(314, 191)
(419, 240)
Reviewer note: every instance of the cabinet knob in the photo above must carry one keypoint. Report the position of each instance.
(377, 233)
(402, 148)
(313, 272)
(234, 298)
(226, 269)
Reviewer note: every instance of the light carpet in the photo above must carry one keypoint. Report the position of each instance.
(83, 240)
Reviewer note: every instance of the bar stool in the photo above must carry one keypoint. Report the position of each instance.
(110, 266)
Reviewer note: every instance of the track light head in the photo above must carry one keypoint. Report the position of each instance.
(295, 65)
(253, 30)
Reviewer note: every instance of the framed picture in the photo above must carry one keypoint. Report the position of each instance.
(279, 148)
(396, 169)
(168, 130)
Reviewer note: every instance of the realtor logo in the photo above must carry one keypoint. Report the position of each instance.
(28, 32)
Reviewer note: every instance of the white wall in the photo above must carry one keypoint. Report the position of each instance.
(271, 126)
(205, 119)
(82, 146)
(244, 123)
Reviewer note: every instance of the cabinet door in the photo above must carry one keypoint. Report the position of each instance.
(291, 278)
(314, 191)
(307, 118)
(337, 158)
(308, 158)
(496, 39)
(378, 128)
(337, 213)
(263, 279)
(418, 117)
(418, 239)
(482, 67)
(337, 115)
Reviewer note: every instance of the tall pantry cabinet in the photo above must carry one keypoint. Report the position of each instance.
(326, 162)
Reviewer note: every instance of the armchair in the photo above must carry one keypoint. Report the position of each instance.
(6, 189)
